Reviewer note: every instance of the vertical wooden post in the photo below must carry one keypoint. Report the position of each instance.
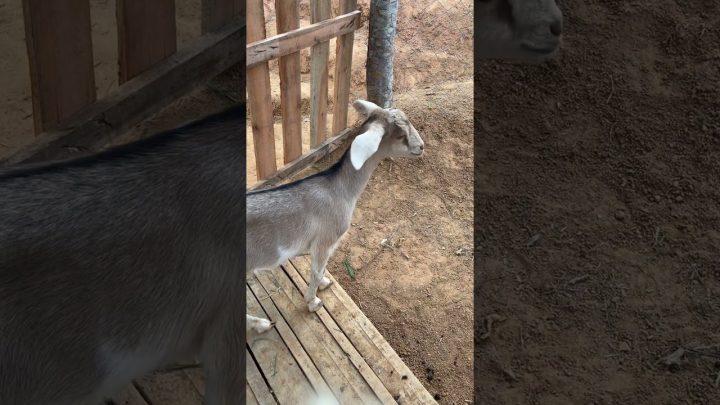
(319, 10)
(146, 35)
(288, 18)
(343, 68)
(259, 100)
(59, 46)
(216, 13)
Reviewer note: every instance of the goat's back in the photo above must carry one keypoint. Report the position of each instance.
(123, 252)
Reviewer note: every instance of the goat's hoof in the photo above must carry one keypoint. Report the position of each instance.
(315, 304)
(324, 283)
(263, 325)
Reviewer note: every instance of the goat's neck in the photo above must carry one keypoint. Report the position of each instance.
(351, 182)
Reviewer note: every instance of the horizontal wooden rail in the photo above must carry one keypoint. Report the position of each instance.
(140, 97)
(303, 161)
(301, 38)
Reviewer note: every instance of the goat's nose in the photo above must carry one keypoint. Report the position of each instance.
(556, 27)
(422, 146)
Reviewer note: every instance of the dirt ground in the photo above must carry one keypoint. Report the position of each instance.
(598, 212)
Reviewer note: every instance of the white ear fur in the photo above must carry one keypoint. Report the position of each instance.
(365, 107)
(365, 144)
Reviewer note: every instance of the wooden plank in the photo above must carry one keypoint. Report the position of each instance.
(291, 341)
(350, 351)
(288, 19)
(256, 383)
(304, 161)
(197, 378)
(382, 358)
(140, 97)
(259, 98)
(251, 399)
(331, 360)
(59, 47)
(128, 396)
(146, 35)
(277, 364)
(343, 70)
(218, 13)
(169, 388)
(319, 54)
(265, 49)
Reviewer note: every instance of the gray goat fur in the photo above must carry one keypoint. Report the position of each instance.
(116, 264)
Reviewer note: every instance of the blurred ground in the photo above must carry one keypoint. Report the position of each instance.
(598, 212)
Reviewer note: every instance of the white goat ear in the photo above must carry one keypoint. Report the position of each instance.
(365, 107)
(365, 144)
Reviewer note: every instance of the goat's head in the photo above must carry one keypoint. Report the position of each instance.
(388, 132)
(520, 30)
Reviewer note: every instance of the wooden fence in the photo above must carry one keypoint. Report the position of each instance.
(286, 47)
(152, 72)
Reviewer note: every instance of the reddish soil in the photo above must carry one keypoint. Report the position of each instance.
(598, 212)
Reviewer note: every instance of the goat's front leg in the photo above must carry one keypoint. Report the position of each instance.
(320, 258)
(260, 325)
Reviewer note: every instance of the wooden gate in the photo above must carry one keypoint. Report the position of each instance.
(286, 47)
(152, 72)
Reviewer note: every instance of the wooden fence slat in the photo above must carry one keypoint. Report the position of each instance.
(139, 98)
(259, 99)
(319, 11)
(146, 35)
(217, 13)
(301, 38)
(288, 19)
(343, 69)
(61, 73)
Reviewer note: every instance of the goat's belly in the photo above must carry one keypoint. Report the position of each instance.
(268, 258)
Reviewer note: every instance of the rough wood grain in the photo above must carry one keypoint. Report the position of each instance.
(61, 74)
(218, 13)
(343, 69)
(382, 358)
(257, 385)
(342, 377)
(259, 97)
(342, 340)
(140, 97)
(304, 161)
(262, 50)
(169, 388)
(129, 396)
(276, 363)
(146, 35)
(319, 54)
(288, 19)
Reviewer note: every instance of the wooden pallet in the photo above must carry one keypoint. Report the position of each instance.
(336, 350)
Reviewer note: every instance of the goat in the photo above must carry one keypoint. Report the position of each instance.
(312, 214)
(519, 30)
(116, 264)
